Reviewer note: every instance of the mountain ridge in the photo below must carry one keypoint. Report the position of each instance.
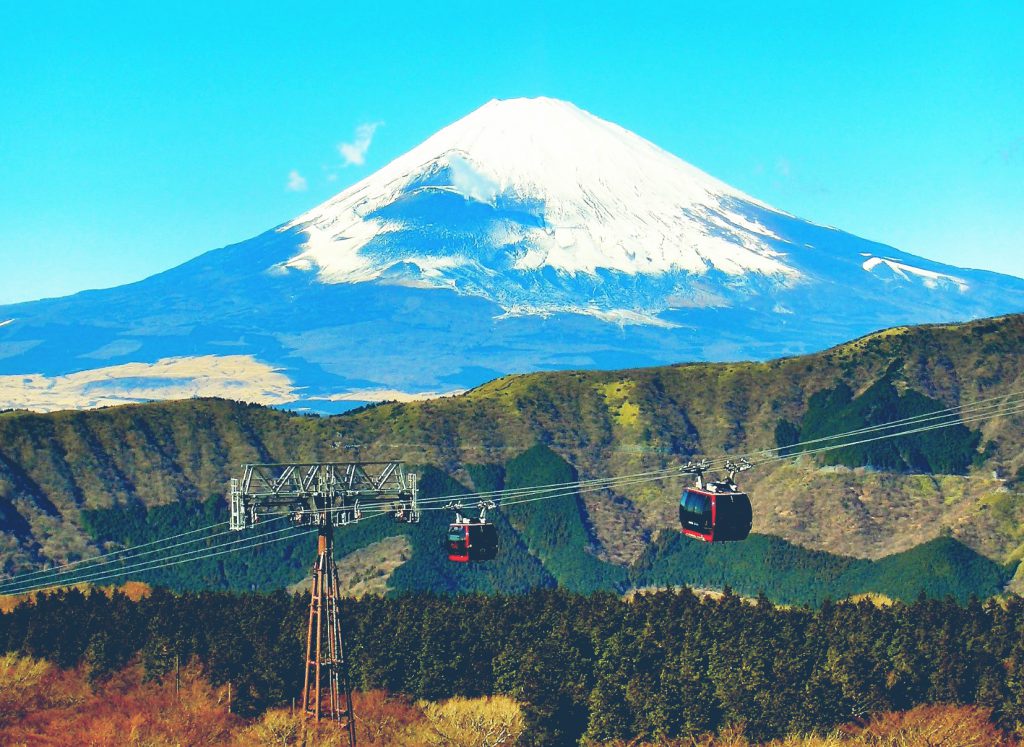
(55, 467)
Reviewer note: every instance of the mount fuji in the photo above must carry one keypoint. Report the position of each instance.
(528, 235)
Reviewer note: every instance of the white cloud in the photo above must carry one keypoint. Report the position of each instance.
(296, 182)
(354, 153)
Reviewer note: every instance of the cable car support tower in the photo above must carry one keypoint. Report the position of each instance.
(326, 495)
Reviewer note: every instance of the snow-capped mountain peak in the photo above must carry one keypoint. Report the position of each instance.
(527, 236)
(535, 184)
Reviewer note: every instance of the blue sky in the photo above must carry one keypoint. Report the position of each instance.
(135, 136)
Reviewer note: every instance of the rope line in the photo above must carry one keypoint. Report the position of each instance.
(154, 564)
(128, 553)
(177, 562)
(61, 575)
(112, 552)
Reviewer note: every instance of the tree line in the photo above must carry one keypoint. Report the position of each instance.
(660, 666)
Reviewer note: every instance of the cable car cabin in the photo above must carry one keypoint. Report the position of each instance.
(713, 516)
(471, 541)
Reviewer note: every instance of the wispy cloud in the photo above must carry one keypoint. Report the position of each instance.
(354, 152)
(296, 182)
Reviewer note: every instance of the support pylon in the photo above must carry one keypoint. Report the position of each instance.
(326, 666)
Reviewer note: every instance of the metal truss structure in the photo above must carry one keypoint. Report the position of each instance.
(313, 491)
(327, 495)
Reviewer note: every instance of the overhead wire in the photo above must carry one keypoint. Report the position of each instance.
(157, 563)
(988, 408)
(164, 564)
(115, 556)
(1016, 409)
(949, 414)
(514, 492)
(125, 549)
(74, 578)
(980, 410)
(4, 580)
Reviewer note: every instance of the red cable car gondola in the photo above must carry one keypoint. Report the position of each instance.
(715, 511)
(470, 540)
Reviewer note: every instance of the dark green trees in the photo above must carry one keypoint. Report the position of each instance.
(662, 666)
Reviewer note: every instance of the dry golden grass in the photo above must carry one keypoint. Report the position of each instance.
(470, 722)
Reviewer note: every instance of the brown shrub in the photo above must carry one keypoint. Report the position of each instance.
(924, 726)
(384, 719)
(65, 710)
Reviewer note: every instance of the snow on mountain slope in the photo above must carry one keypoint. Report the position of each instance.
(527, 236)
(551, 186)
(931, 279)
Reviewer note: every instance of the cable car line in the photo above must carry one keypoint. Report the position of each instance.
(123, 556)
(575, 491)
(144, 565)
(946, 416)
(131, 567)
(1016, 409)
(538, 488)
(989, 408)
(545, 492)
(112, 552)
(594, 484)
(302, 531)
(114, 556)
(201, 554)
(719, 511)
(989, 411)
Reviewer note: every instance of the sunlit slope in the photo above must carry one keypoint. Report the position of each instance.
(56, 468)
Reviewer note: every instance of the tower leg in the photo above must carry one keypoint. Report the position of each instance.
(325, 649)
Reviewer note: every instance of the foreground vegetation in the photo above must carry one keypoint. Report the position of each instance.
(663, 666)
(42, 706)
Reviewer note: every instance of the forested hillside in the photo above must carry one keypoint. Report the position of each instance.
(663, 666)
(75, 483)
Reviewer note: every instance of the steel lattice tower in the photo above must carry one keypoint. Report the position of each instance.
(328, 495)
(326, 666)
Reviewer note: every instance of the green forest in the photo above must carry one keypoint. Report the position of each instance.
(660, 666)
(951, 450)
(72, 481)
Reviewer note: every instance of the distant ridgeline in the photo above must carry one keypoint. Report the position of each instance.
(950, 450)
(547, 543)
